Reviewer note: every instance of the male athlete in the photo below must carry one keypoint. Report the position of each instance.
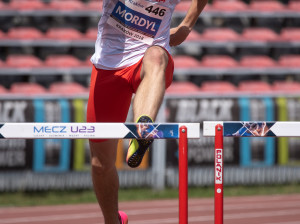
(131, 56)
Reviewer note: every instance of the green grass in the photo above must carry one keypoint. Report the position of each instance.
(87, 196)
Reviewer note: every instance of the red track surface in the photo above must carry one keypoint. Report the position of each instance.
(237, 210)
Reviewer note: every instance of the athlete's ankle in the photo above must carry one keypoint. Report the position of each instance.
(144, 119)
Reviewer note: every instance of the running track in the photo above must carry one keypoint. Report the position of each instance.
(284, 209)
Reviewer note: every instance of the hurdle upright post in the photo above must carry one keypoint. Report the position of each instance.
(219, 174)
(183, 175)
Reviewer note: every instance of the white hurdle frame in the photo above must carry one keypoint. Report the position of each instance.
(93, 130)
(221, 129)
(279, 128)
(181, 131)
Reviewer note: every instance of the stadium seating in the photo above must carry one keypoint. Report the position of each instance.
(183, 88)
(3, 90)
(186, 62)
(286, 87)
(259, 34)
(91, 34)
(218, 61)
(25, 33)
(256, 61)
(229, 6)
(94, 5)
(265, 5)
(64, 34)
(23, 61)
(230, 36)
(58, 61)
(219, 34)
(3, 6)
(67, 88)
(294, 5)
(27, 5)
(289, 61)
(26, 88)
(218, 87)
(66, 5)
(193, 36)
(183, 6)
(290, 34)
(254, 87)
(2, 35)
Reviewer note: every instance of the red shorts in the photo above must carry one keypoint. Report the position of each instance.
(111, 92)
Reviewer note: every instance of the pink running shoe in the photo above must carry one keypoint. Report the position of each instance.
(123, 217)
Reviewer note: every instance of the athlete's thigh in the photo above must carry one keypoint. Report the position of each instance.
(137, 77)
(109, 98)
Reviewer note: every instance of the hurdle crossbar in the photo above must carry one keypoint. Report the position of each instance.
(96, 130)
(253, 128)
(221, 129)
(181, 131)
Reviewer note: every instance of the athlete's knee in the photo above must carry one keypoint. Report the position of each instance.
(103, 156)
(156, 56)
(101, 166)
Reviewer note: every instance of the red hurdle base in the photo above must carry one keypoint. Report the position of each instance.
(183, 176)
(219, 154)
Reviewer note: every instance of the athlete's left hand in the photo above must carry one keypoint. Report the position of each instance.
(178, 35)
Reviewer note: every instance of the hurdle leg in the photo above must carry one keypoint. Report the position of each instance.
(219, 174)
(183, 176)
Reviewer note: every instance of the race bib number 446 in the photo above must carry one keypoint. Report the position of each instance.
(137, 19)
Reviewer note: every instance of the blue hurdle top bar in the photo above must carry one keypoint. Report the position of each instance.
(253, 128)
(96, 130)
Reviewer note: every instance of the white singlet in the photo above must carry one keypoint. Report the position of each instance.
(128, 27)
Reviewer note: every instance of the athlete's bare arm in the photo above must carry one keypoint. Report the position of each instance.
(180, 33)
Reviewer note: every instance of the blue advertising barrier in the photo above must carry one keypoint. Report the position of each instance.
(246, 144)
(40, 145)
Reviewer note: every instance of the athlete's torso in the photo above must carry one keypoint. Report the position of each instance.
(128, 27)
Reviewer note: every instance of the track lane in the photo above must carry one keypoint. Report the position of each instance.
(276, 209)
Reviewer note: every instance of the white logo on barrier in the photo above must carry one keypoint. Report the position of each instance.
(63, 130)
(218, 166)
